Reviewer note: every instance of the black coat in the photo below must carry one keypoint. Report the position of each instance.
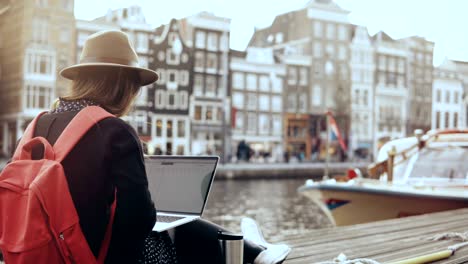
(108, 155)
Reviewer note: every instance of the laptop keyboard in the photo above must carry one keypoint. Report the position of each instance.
(167, 218)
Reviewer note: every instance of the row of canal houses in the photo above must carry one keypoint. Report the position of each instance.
(209, 98)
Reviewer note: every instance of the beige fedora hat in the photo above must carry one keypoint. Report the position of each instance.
(110, 48)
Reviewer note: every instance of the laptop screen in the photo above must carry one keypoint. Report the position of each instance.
(180, 184)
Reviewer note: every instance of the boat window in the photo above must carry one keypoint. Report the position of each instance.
(437, 162)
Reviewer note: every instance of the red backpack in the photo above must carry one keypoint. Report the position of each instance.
(38, 220)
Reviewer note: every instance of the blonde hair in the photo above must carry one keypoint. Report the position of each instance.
(112, 88)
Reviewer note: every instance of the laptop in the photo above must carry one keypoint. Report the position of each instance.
(179, 187)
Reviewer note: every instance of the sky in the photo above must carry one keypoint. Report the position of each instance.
(442, 21)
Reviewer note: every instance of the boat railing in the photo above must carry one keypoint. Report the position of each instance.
(375, 170)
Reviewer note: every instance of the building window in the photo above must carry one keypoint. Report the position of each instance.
(171, 76)
(210, 86)
(212, 41)
(292, 102)
(447, 119)
(381, 78)
(357, 56)
(318, 29)
(169, 128)
(224, 42)
(264, 103)
(183, 100)
(184, 78)
(140, 123)
(180, 128)
(428, 76)
(39, 63)
(356, 97)
(342, 54)
(264, 83)
(455, 97)
(160, 99)
(212, 61)
(382, 63)
(400, 81)
(330, 49)
(318, 49)
(401, 65)
(198, 113)
(252, 101)
(392, 64)
(252, 122)
(437, 120)
(239, 120)
(330, 31)
(40, 30)
(342, 34)
(279, 37)
(159, 128)
(277, 125)
(141, 44)
(276, 104)
(318, 69)
(65, 35)
(198, 85)
(356, 76)
(238, 100)
(209, 113)
(238, 80)
(302, 106)
(316, 95)
(277, 84)
(174, 59)
(455, 120)
(438, 96)
(303, 80)
(171, 100)
(200, 39)
(219, 114)
(264, 124)
(221, 92)
(199, 60)
(428, 59)
(252, 82)
(365, 125)
(447, 96)
(39, 96)
(292, 76)
(365, 98)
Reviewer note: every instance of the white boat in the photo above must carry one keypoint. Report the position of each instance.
(415, 175)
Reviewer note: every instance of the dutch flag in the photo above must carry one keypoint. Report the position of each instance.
(335, 131)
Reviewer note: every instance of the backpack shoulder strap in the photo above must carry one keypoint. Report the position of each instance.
(108, 235)
(76, 129)
(27, 136)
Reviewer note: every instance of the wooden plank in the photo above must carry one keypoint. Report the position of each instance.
(384, 241)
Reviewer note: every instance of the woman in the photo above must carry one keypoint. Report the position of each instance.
(110, 155)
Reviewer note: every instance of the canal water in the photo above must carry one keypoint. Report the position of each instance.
(275, 204)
